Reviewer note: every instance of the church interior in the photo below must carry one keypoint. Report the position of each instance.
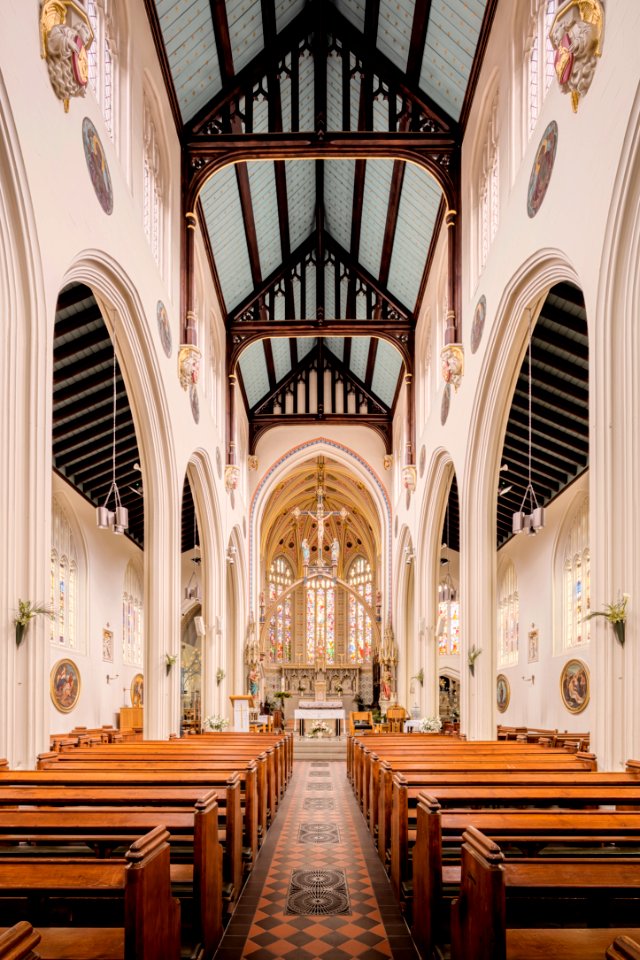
(319, 446)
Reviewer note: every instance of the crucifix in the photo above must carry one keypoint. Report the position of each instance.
(321, 515)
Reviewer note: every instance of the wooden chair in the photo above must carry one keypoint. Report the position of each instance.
(360, 720)
(396, 717)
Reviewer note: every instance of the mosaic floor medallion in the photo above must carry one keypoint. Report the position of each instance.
(318, 832)
(318, 803)
(319, 763)
(318, 892)
(318, 773)
(319, 786)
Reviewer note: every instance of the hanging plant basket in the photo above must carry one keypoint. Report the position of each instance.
(619, 630)
(21, 629)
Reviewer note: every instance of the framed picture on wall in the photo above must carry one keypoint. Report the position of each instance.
(107, 645)
(503, 692)
(575, 685)
(137, 690)
(64, 684)
(533, 636)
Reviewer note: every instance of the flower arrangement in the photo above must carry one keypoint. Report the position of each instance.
(215, 722)
(616, 614)
(472, 656)
(319, 728)
(169, 660)
(220, 675)
(430, 725)
(26, 613)
(419, 677)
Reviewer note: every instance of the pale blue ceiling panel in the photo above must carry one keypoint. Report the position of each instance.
(281, 357)
(353, 10)
(336, 345)
(386, 372)
(262, 180)
(189, 40)
(394, 30)
(305, 344)
(454, 28)
(279, 307)
(285, 95)
(354, 97)
(245, 31)
(253, 367)
(260, 116)
(380, 115)
(286, 10)
(359, 356)
(306, 117)
(301, 199)
(417, 215)
(334, 93)
(329, 291)
(338, 199)
(309, 307)
(374, 213)
(223, 218)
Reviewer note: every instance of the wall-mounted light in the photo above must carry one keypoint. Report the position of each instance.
(531, 679)
(118, 518)
(114, 677)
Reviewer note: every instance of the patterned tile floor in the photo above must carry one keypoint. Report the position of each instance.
(318, 890)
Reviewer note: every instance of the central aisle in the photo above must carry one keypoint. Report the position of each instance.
(318, 890)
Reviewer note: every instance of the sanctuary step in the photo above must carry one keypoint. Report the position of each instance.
(327, 748)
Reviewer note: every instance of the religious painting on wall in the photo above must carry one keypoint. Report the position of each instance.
(195, 402)
(65, 685)
(478, 323)
(446, 400)
(542, 169)
(533, 644)
(97, 165)
(107, 645)
(503, 692)
(574, 686)
(137, 690)
(164, 328)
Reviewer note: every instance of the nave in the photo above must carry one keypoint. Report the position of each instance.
(318, 889)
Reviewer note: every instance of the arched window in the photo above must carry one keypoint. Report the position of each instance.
(101, 56)
(360, 626)
(448, 629)
(539, 57)
(152, 184)
(132, 613)
(321, 621)
(280, 578)
(489, 188)
(63, 594)
(576, 575)
(508, 618)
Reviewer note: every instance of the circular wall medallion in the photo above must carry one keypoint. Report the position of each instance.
(478, 323)
(218, 462)
(408, 499)
(446, 400)
(64, 684)
(163, 327)
(574, 685)
(395, 528)
(195, 402)
(503, 692)
(423, 459)
(542, 169)
(97, 164)
(232, 499)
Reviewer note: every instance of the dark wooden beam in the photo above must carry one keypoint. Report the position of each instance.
(481, 46)
(76, 321)
(382, 291)
(84, 365)
(320, 240)
(356, 227)
(296, 371)
(364, 388)
(72, 295)
(93, 338)
(223, 40)
(285, 268)
(395, 192)
(69, 414)
(371, 361)
(268, 356)
(419, 29)
(158, 41)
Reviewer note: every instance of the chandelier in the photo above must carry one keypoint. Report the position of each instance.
(118, 518)
(533, 520)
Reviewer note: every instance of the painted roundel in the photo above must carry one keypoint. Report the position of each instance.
(542, 169)
(218, 462)
(423, 460)
(163, 327)
(195, 402)
(97, 165)
(478, 323)
(446, 400)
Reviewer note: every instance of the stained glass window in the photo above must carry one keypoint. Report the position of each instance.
(508, 618)
(577, 581)
(540, 68)
(489, 188)
(63, 590)
(100, 60)
(152, 185)
(360, 630)
(321, 621)
(132, 617)
(448, 632)
(280, 577)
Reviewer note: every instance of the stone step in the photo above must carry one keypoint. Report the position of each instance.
(329, 748)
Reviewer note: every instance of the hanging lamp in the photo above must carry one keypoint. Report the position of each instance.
(118, 518)
(521, 521)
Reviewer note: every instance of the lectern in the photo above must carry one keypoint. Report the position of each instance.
(241, 706)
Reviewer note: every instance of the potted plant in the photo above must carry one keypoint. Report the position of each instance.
(472, 656)
(26, 612)
(419, 677)
(220, 675)
(169, 660)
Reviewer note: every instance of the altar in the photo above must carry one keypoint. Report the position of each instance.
(319, 710)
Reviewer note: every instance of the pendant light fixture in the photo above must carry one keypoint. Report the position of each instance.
(521, 521)
(192, 589)
(118, 518)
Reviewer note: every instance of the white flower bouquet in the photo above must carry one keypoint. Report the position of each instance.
(319, 728)
(430, 725)
(215, 723)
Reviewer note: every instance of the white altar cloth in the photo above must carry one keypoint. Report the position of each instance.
(320, 704)
(318, 714)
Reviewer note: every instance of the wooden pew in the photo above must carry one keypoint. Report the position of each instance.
(139, 883)
(51, 832)
(489, 883)
(623, 948)
(18, 942)
(436, 854)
